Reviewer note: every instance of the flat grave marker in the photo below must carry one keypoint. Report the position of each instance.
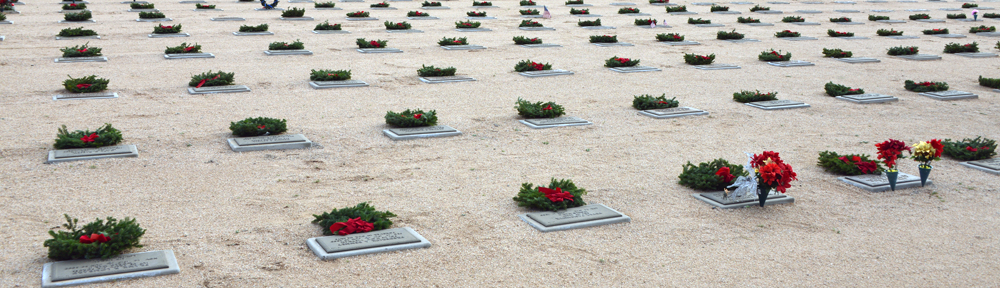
(83, 96)
(422, 18)
(805, 23)
(727, 12)
(988, 34)
(868, 98)
(116, 151)
(679, 43)
(543, 45)
(948, 35)
(379, 50)
(768, 12)
(154, 20)
(537, 28)
(777, 104)
(977, 54)
(847, 11)
(852, 38)
(420, 132)
(622, 4)
(986, 165)
(542, 123)
(287, 52)
(218, 89)
(253, 33)
(634, 69)
(188, 56)
(709, 25)
(744, 40)
(702, 4)
(807, 12)
(336, 246)
(920, 57)
(672, 112)
(758, 24)
(682, 13)
(917, 10)
(545, 73)
(903, 37)
(881, 10)
(578, 5)
(403, 31)
(228, 19)
(612, 44)
(328, 8)
(950, 95)
(849, 23)
(574, 218)
(337, 84)
(143, 10)
(169, 35)
(802, 38)
(716, 67)
(78, 37)
(270, 142)
(66, 21)
(481, 18)
(879, 183)
(812, 2)
(950, 9)
(598, 27)
(445, 79)
(303, 18)
(858, 60)
(930, 20)
(462, 47)
(362, 19)
(741, 3)
(718, 199)
(125, 266)
(791, 63)
(331, 32)
(437, 7)
(473, 29)
(81, 59)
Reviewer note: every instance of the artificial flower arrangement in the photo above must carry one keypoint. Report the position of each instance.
(74, 6)
(989, 82)
(327, 26)
(840, 90)
(87, 84)
(135, 5)
(620, 62)
(173, 29)
(694, 59)
(769, 173)
(482, 3)
(669, 37)
(648, 102)
(970, 149)
(925, 86)
(840, 20)
(604, 39)
(99, 239)
(774, 56)
(411, 118)
(297, 45)
(183, 48)
(837, 53)
(357, 14)
(210, 78)
(889, 151)
(529, 23)
(358, 219)
(877, 17)
(79, 16)
(901, 50)
(560, 194)
(467, 24)
(539, 109)
(104, 136)
(935, 31)
(329, 75)
(382, 4)
(80, 51)
(628, 10)
(747, 20)
(745, 96)
(445, 41)
(259, 126)
(888, 32)
(396, 26)
(527, 3)
(199, 6)
(682, 8)
(475, 14)
(717, 8)
(574, 11)
(919, 16)
(925, 152)
(792, 19)
(955, 16)
(733, 35)
(328, 4)
(787, 33)
(294, 12)
(586, 23)
(849, 164)
(710, 176)
(698, 21)
(431, 71)
(528, 65)
(258, 28)
(645, 22)
(151, 15)
(430, 4)
(961, 48)
(982, 28)
(521, 40)
(528, 12)
(832, 33)
(756, 8)
(362, 43)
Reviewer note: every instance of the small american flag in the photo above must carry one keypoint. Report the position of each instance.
(546, 14)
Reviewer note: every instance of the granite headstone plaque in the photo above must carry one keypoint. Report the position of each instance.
(847, 11)
(612, 44)
(481, 18)
(634, 69)
(116, 151)
(287, 52)
(169, 35)
(792, 63)
(537, 28)
(473, 29)
(379, 50)
(228, 19)
(82, 59)
(541, 123)
(270, 142)
(331, 32)
(744, 40)
(337, 84)
(462, 47)
(778, 104)
(336, 246)
(719, 200)
(950, 95)
(948, 35)
(598, 27)
(154, 20)
(988, 34)
(987, 165)
(682, 13)
(446, 79)
(798, 38)
(219, 89)
(708, 25)
(680, 43)
(253, 33)
(920, 57)
(868, 98)
(362, 19)
(852, 38)
(977, 54)
(573, 218)
(125, 266)
(96, 95)
(544, 45)
(768, 12)
(716, 67)
(423, 18)
(672, 112)
(403, 31)
(303, 18)
(879, 183)
(545, 73)
(420, 132)
(188, 56)
(758, 24)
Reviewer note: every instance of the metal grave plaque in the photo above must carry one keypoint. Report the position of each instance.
(672, 112)
(420, 132)
(541, 123)
(879, 183)
(116, 151)
(868, 98)
(572, 218)
(777, 104)
(336, 246)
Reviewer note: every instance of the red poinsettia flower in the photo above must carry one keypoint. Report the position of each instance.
(417, 116)
(677, 37)
(72, 5)
(889, 150)
(538, 66)
(763, 158)
(938, 148)
(724, 173)
(82, 86)
(971, 149)
(985, 148)
(777, 174)
(374, 43)
(94, 238)
(867, 167)
(87, 139)
(355, 225)
(549, 107)
(623, 60)
(556, 195)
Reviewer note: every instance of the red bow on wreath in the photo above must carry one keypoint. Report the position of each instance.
(86, 139)
(96, 237)
(556, 195)
(203, 81)
(355, 225)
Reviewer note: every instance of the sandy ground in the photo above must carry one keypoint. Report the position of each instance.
(241, 219)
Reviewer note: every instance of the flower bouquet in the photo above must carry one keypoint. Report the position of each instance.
(901, 50)
(620, 62)
(717, 8)
(837, 53)
(183, 48)
(430, 4)
(648, 102)
(481, 3)
(961, 48)
(80, 51)
(747, 20)
(560, 194)
(970, 149)
(682, 8)
(79, 16)
(769, 173)
(603, 39)
(259, 126)
(628, 10)
(358, 219)
(840, 90)
(467, 24)
(840, 20)
(396, 26)
(104, 136)
(539, 109)
(925, 86)
(574, 11)
(521, 40)
(297, 45)
(199, 6)
(151, 15)
(135, 5)
(877, 17)
(694, 59)
(98, 239)
(475, 14)
(850, 165)
(431, 71)
(528, 65)
(362, 43)
(745, 96)
(445, 41)
(357, 14)
(982, 28)
(258, 28)
(733, 35)
(382, 4)
(529, 23)
(832, 33)
(76, 32)
(925, 152)
(792, 19)
(645, 22)
(889, 32)
(529, 12)
(417, 14)
(935, 31)
(989, 82)
(774, 56)
(411, 118)
(210, 78)
(787, 33)
(328, 4)
(527, 3)
(710, 176)
(88, 84)
(588, 23)
(698, 21)
(955, 16)
(919, 16)
(293, 12)
(74, 6)
(889, 151)
(329, 75)
(756, 8)
(669, 37)
(327, 26)
(160, 29)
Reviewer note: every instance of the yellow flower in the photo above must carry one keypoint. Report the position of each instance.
(923, 150)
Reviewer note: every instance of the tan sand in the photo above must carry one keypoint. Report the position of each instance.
(241, 219)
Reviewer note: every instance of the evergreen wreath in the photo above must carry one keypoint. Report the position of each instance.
(982, 28)
(955, 16)
(774, 56)
(919, 16)
(832, 33)
(539, 109)
(695, 59)
(71, 6)
(745, 96)
(645, 22)
(733, 35)
(383, 4)
(396, 26)
(935, 31)
(574, 11)
(467, 24)
(151, 15)
(80, 51)
(527, 3)
(529, 23)
(560, 194)
(259, 126)
(209, 79)
(476, 14)
(648, 102)
(961, 48)
(717, 8)
(87, 84)
(792, 19)
(328, 4)
(620, 62)
(417, 14)
(521, 40)
(840, 20)
(135, 5)
(756, 8)
(160, 29)
(840, 90)
(98, 239)
(850, 164)
(327, 26)
(698, 21)
(747, 20)
(585, 23)
(293, 12)
(658, 1)
(445, 41)
(989, 82)
(669, 37)
(969, 5)
(710, 176)
(79, 16)
(482, 3)
(787, 33)
(901, 50)
(430, 4)
(837, 53)
(379, 220)
(991, 15)
(199, 6)
(297, 45)
(877, 17)
(183, 48)
(528, 65)
(329, 75)
(258, 28)
(628, 10)
(358, 14)
(411, 118)
(925, 86)
(574, 2)
(682, 8)
(888, 32)
(104, 136)
(528, 12)
(970, 149)
(362, 43)
(431, 71)
(604, 39)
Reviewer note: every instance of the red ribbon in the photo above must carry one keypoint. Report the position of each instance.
(556, 195)
(355, 225)
(91, 138)
(203, 81)
(82, 86)
(96, 237)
